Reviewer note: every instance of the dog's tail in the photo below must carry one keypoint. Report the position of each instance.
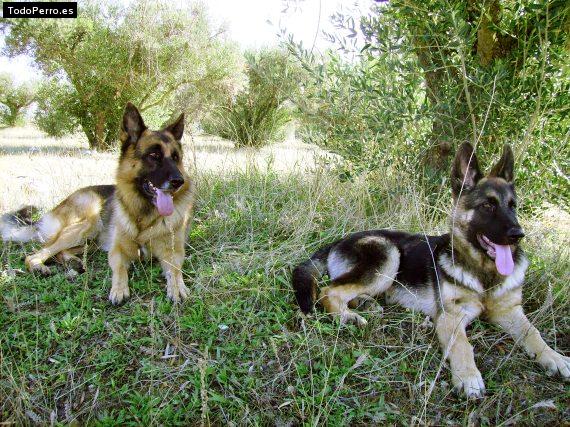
(19, 226)
(305, 278)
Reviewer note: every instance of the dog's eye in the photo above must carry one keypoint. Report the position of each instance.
(512, 205)
(489, 206)
(154, 156)
(175, 157)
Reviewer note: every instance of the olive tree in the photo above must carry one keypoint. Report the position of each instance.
(14, 99)
(159, 56)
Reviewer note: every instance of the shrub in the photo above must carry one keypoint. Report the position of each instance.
(259, 112)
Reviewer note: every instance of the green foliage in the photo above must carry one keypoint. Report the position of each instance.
(161, 57)
(14, 99)
(58, 109)
(258, 113)
(434, 74)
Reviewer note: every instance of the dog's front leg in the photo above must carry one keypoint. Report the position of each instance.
(450, 327)
(507, 312)
(171, 256)
(120, 255)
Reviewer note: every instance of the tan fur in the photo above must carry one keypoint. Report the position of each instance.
(506, 311)
(164, 237)
(335, 300)
(133, 227)
(460, 306)
(126, 221)
(73, 221)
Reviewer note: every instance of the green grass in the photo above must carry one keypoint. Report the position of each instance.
(238, 351)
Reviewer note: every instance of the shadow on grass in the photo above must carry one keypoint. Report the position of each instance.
(43, 149)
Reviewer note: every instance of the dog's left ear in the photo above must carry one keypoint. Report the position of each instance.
(505, 166)
(176, 128)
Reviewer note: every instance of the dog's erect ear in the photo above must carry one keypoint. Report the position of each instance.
(133, 125)
(505, 166)
(465, 172)
(176, 128)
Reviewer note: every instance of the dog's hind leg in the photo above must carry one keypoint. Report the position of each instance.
(70, 259)
(364, 302)
(335, 300)
(373, 262)
(69, 237)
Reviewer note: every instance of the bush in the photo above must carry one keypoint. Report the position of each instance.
(251, 120)
(257, 115)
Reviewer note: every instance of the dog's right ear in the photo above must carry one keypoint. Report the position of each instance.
(465, 172)
(132, 127)
(505, 166)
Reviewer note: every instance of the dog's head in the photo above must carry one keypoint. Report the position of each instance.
(485, 206)
(155, 158)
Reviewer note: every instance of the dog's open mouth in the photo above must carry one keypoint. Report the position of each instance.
(502, 254)
(160, 198)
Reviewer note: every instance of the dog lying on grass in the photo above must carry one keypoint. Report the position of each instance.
(477, 268)
(149, 207)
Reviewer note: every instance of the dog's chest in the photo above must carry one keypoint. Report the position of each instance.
(486, 282)
(163, 227)
(144, 229)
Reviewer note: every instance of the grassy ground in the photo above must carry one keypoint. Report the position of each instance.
(237, 352)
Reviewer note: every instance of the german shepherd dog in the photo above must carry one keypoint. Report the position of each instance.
(148, 209)
(477, 268)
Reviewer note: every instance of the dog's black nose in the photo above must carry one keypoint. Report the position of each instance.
(176, 183)
(515, 234)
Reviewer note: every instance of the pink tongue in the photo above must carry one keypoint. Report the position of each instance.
(164, 203)
(504, 259)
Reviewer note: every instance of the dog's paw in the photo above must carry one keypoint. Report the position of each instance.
(40, 268)
(469, 382)
(365, 303)
(118, 295)
(36, 266)
(555, 363)
(76, 264)
(352, 317)
(177, 293)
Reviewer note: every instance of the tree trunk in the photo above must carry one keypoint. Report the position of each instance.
(489, 45)
(100, 139)
(445, 89)
(486, 36)
(12, 118)
(90, 136)
(448, 120)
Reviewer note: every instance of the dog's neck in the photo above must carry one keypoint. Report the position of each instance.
(474, 261)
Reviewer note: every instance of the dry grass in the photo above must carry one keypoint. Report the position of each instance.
(237, 350)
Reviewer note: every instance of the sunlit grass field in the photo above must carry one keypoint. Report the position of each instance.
(237, 352)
